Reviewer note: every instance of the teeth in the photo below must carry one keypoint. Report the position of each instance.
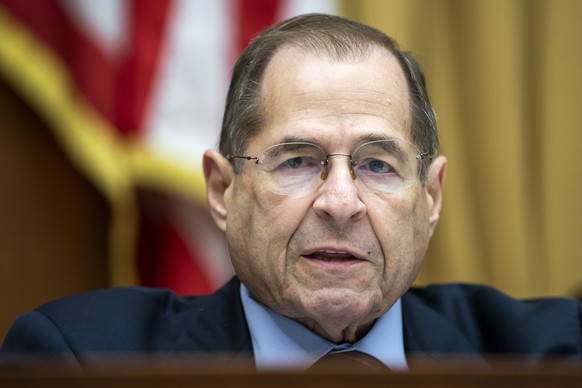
(334, 252)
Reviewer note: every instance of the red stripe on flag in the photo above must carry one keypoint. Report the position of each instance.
(119, 91)
(164, 259)
(148, 25)
(254, 16)
(90, 68)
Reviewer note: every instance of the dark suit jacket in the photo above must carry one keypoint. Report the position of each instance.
(438, 320)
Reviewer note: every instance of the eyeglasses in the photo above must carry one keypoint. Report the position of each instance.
(383, 166)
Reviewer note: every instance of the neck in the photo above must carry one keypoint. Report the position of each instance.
(338, 333)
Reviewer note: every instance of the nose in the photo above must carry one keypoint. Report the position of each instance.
(338, 198)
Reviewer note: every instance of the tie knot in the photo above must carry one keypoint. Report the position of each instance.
(352, 361)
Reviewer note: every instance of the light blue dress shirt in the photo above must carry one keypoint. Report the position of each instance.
(282, 343)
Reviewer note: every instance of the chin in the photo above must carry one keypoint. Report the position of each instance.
(343, 304)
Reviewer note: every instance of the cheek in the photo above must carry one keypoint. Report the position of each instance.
(396, 216)
(402, 227)
(258, 232)
(273, 218)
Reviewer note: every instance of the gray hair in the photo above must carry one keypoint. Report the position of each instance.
(330, 35)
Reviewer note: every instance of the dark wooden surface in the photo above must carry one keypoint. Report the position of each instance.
(192, 372)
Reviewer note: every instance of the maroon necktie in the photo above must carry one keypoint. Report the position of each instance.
(348, 361)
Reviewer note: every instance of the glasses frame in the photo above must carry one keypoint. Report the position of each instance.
(421, 156)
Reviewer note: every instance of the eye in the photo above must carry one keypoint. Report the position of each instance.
(376, 166)
(299, 165)
(296, 162)
(292, 159)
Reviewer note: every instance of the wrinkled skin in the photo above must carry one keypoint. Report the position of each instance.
(339, 257)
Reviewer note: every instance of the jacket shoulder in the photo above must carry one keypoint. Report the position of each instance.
(495, 322)
(119, 302)
(128, 319)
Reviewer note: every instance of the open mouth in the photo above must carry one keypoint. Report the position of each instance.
(330, 255)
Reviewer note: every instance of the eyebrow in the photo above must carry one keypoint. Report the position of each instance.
(375, 137)
(288, 147)
(393, 149)
(366, 138)
(297, 139)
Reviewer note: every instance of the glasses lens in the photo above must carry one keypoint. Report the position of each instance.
(291, 168)
(386, 166)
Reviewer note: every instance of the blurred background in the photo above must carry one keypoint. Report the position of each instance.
(106, 107)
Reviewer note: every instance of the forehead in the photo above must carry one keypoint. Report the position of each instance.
(309, 95)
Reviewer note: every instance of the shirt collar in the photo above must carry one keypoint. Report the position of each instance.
(283, 343)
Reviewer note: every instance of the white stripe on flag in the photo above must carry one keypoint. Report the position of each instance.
(105, 22)
(298, 7)
(186, 105)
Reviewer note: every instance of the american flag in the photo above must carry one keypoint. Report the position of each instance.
(134, 91)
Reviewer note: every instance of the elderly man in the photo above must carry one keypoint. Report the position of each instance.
(328, 184)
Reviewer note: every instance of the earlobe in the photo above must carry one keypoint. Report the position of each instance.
(435, 184)
(218, 174)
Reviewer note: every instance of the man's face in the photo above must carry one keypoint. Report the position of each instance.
(337, 257)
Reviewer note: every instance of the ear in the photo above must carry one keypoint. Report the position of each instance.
(218, 174)
(434, 188)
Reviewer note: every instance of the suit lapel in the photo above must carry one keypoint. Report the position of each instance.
(218, 326)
